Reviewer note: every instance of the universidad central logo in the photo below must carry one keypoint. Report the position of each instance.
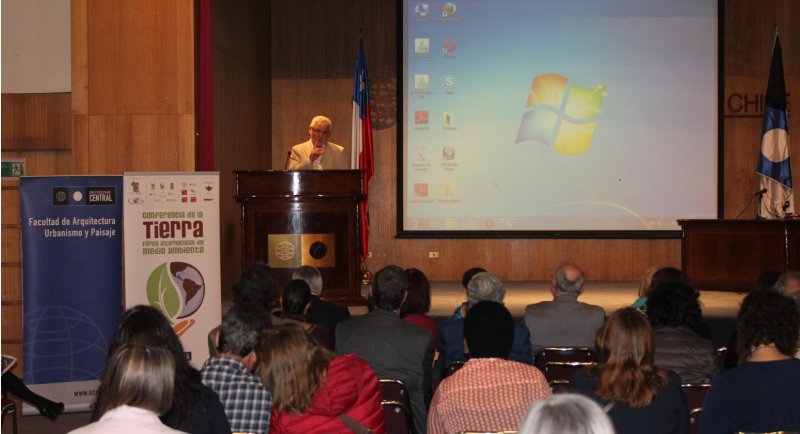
(561, 115)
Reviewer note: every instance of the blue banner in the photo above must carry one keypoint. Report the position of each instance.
(72, 281)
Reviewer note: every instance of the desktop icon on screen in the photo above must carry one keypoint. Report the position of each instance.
(422, 45)
(449, 47)
(422, 81)
(421, 189)
(421, 117)
(449, 9)
(421, 9)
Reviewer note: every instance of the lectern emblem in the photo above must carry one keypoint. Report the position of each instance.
(284, 251)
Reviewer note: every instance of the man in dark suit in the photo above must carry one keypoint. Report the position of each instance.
(320, 311)
(393, 347)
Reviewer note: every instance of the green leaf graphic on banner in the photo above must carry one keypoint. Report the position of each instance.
(162, 293)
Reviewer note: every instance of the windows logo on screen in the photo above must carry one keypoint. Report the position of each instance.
(561, 114)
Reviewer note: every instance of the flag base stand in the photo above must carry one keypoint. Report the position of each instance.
(366, 275)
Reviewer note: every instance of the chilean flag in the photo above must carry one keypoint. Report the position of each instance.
(361, 146)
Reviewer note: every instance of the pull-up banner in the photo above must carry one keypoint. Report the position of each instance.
(172, 245)
(71, 280)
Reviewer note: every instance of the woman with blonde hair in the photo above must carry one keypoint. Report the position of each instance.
(313, 390)
(137, 388)
(638, 396)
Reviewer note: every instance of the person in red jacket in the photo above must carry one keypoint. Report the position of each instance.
(312, 388)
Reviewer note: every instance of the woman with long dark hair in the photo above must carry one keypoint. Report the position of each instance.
(196, 409)
(638, 396)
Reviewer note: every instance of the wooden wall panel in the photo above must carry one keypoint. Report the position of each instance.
(319, 39)
(749, 34)
(11, 275)
(36, 121)
(133, 86)
(136, 55)
(11, 244)
(12, 282)
(242, 111)
(151, 143)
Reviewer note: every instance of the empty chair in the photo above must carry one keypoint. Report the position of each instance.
(695, 395)
(564, 354)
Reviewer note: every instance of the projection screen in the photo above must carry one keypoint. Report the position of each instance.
(524, 117)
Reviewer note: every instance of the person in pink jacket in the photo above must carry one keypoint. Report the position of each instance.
(312, 388)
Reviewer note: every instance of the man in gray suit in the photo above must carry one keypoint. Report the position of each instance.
(565, 321)
(393, 347)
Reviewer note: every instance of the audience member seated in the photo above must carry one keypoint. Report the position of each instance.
(644, 287)
(137, 387)
(787, 283)
(394, 348)
(418, 302)
(461, 310)
(312, 388)
(320, 311)
(566, 413)
(14, 385)
(759, 395)
(657, 277)
(484, 286)
(489, 393)
(295, 301)
(638, 396)
(257, 287)
(246, 401)
(564, 321)
(670, 308)
(196, 409)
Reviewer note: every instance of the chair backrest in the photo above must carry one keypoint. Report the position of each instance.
(397, 418)
(562, 371)
(559, 386)
(394, 390)
(564, 354)
(453, 367)
(695, 396)
(719, 358)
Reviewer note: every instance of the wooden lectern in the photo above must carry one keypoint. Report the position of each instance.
(299, 218)
(728, 255)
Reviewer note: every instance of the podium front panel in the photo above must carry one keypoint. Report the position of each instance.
(290, 219)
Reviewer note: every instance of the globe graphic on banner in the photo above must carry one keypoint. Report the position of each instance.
(177, 288)
(65, 345)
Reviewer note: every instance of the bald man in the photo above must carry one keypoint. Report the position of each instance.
(565, 321)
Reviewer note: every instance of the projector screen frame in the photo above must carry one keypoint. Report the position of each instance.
(401, 232)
